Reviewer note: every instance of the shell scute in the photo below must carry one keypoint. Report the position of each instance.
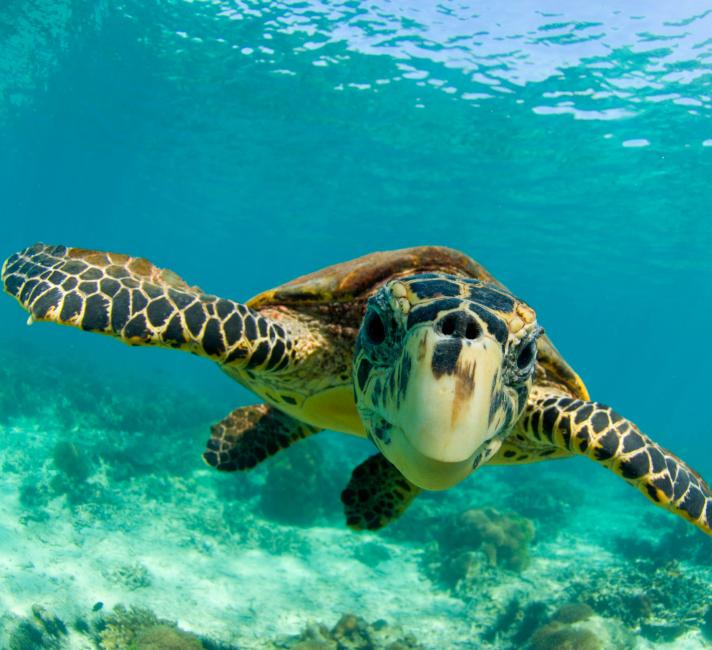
(364, 275)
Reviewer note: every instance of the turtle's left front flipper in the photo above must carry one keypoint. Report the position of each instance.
(597, 431)
(376, 494)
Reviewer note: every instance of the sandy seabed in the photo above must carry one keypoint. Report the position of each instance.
(205, 551)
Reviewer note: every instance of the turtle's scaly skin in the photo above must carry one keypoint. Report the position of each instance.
(294, 346)
(129, 298)
(597, 431)
(250, 434)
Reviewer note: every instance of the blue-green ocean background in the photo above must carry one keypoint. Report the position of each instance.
(567, 146)
(243, 144)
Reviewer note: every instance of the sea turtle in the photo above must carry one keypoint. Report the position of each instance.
(420, 349)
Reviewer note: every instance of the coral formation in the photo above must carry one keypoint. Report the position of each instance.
(481, 538)
(663, 632)
(351, 633)
(141, 629)
(698, 548)
(83, 403)
(573, 613)
(659, 600)
(73, 472)
(556, 636)
(550, 502)
(576, 626)
(132, 576)
(503, 538)
(122, 625)
(573, 626)
(165, 637)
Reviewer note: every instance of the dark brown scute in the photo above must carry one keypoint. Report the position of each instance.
(364, 275)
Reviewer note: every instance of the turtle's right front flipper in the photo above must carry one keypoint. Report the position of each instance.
(598, 432)
(131, 299)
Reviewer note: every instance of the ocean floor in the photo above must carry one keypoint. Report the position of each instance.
(114, 534)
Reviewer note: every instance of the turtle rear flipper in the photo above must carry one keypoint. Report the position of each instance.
(131, 299)
(598, 432)
(376, 494)
(250, 434)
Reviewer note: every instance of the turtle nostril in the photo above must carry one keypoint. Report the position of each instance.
(459, 325)
(472, 331)
(447, 326)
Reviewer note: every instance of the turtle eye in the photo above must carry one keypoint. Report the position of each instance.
(526, 355)
(375, 330)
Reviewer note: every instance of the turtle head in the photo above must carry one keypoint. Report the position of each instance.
(442, 369)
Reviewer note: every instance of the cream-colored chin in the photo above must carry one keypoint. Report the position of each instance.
(426, 473)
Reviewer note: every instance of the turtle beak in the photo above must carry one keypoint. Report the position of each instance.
(444, 418)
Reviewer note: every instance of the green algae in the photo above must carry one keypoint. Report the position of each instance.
(516, 622)
(41, 630)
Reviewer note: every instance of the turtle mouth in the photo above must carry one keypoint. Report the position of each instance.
(420, 469)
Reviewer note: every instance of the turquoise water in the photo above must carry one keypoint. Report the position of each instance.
(568, 148)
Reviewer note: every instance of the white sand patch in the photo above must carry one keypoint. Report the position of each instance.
(225, 591)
